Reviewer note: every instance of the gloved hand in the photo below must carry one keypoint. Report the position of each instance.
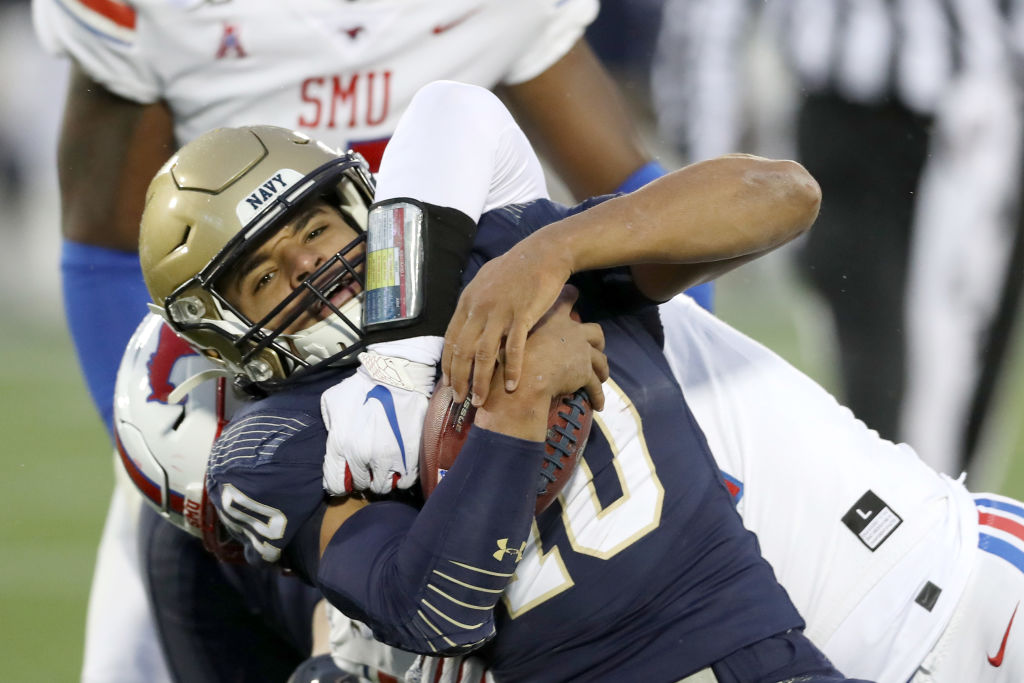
(374, 420)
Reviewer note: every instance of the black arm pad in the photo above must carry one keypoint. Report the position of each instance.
(447, 240)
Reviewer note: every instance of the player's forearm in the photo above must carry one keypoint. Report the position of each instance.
(523, 414)
(706, 217)
(429, 582)
(109, 149)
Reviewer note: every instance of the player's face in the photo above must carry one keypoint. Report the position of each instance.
(268, 275)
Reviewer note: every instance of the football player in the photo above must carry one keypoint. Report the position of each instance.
(149, 76)
(682, 584)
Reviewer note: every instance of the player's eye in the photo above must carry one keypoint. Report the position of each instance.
(313, 234)
(263, 281)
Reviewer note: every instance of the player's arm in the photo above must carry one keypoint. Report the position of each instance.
(575, 113)
(109, 149)
(429, 582)
(684, 228)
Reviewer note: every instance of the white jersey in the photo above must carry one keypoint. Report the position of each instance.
(343, 72)
(874, 546)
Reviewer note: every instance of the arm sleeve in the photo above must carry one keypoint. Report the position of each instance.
(264, 476)
(458, 146)
(103, 38)
(428, 583)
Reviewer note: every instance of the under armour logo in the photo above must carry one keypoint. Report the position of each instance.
(504, 550)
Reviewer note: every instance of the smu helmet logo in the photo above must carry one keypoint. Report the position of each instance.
(170, 347)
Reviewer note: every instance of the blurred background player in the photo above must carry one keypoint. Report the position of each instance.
(150, 76)
(917, 257)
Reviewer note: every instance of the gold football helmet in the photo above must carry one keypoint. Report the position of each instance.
(216, 201)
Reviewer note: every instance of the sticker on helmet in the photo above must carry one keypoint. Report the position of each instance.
(264, 194)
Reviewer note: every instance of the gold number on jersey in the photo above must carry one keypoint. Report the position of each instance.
(593, 530)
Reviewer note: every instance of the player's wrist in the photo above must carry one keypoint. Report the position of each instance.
(522, 414)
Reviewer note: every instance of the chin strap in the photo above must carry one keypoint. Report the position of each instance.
(179, 392)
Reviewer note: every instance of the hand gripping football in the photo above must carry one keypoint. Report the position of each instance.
(447, 424)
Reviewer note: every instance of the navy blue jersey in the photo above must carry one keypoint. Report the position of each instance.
(641, 571)
(643, 564)
(265, 474)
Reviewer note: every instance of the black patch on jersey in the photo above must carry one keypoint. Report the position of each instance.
(871, 520)
(928, 596)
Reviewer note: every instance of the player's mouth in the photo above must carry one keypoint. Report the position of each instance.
(346, 289)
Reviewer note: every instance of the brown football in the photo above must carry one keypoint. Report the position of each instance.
(447, 424)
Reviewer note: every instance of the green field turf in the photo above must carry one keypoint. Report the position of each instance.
(57, 478)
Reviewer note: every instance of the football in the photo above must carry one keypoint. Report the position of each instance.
(447, 424)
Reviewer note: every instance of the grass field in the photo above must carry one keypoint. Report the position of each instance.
(55, 487)
(57, 469)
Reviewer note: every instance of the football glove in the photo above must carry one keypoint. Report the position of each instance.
(374, 420)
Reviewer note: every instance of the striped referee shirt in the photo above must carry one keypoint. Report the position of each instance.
(867, 51)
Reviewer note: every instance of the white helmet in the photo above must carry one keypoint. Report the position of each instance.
(164, 437)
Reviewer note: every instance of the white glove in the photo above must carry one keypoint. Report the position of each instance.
(353, 647)
(451, 670)
(374, 420)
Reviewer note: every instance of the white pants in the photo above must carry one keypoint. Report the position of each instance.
(984, 630)
(121, 644)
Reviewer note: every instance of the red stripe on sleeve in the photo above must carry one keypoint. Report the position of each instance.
(1001, 523)
(122, 15)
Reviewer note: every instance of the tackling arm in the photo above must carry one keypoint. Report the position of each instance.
(684, 228)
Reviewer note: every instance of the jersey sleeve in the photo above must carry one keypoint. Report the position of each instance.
(568, 21)
(265, 478)
(429, 582)
(484, 162)
(103, 38)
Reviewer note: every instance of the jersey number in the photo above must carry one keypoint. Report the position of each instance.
(247, 516)
(591, 529)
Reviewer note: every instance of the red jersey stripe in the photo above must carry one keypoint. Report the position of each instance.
(120, 14)
(1001, 523)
